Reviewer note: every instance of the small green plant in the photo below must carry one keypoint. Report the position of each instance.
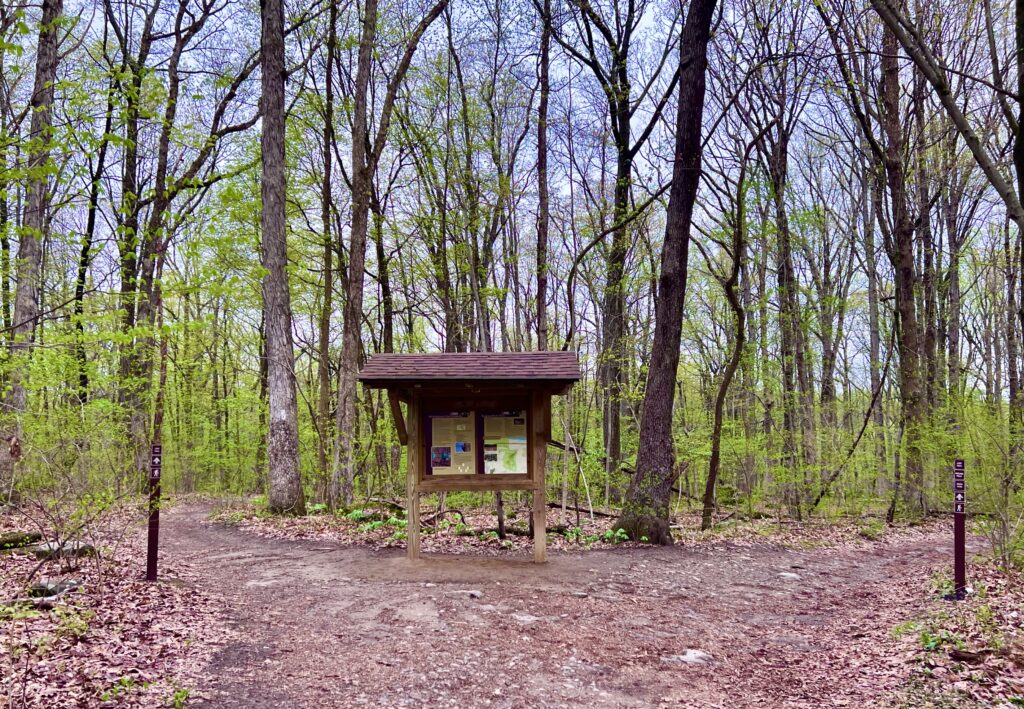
(73, 623)
(371, 526)
(573, 534)
(122, 686)
(901, 629)
(397, 536)
(873, 530)
(942, 583)
(615, 536)
(356, 515)
(179, 698)
(934, 641)
(317, 508)
(17, 611)
(989, 626)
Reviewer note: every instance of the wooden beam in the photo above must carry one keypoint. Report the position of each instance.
(413, 451)
(396, 414)
(541, 418)
(476, 483)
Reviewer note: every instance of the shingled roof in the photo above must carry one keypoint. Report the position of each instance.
(383, 370)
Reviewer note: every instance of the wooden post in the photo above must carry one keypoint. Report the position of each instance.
(156, 461)
(959, 531)
(413, 447)
(541, 415)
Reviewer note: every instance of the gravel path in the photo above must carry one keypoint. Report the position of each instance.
(321, 625)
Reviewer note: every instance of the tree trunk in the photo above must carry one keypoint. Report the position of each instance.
(901, 254)
(30, 254)
(324, 345)
(543, 216)
(365, 156)
(739, 341)
(645, 511)
(285, 482)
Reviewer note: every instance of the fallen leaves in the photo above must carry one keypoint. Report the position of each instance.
(968, 653)
(113, 640)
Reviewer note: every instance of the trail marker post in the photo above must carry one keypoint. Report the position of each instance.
(155, 463)
(959, 530)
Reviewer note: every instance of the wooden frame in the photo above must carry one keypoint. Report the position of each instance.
(447, 383)
(537, 404)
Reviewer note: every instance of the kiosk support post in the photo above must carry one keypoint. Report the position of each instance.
(541, 426)
(412, 529)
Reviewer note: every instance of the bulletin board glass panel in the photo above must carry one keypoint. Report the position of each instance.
(453, 444)
(505, 443)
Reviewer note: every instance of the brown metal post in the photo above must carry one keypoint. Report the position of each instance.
(959, 531)
(156, 461)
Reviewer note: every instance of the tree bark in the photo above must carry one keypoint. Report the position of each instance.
(285, 494)
(543, 216)
(30, 253)
(739, 342)
(365, 157)
(324, 363)
(901, 255)
(645, 512)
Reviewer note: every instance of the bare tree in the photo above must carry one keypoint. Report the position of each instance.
(30, 238)
(645, 510)
(366, 155)
(285, 481)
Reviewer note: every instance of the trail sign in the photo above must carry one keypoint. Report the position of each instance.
(959, 529)
(155, 460)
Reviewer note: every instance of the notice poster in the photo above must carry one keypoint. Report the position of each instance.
(451, 444)
(505, 449)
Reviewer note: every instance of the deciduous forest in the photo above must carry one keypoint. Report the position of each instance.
(784, 239)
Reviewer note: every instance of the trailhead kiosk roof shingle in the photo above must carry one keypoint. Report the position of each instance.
(451, 367)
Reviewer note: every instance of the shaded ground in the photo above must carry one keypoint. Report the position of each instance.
(326, 625)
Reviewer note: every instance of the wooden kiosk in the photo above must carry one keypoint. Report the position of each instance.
(474, 421)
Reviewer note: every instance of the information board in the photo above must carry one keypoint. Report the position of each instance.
(452, 444)
(505, 449)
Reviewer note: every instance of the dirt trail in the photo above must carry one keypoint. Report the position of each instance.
(328, 626)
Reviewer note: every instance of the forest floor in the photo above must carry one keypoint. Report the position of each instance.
(269, 613)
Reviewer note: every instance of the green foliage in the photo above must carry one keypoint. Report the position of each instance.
(904, 628)
(179, 698)
(873, 530)
(615, 536)
(13, 612)
(934, 641)
(123, 686)
(72, 622)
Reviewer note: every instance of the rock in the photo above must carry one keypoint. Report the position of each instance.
(465, 593)
(10, 540)
(789, 576)
(690, 657)
(52, 587)
(524, 618)
(53, 550)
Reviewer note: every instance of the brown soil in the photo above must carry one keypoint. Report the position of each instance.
(325, 625)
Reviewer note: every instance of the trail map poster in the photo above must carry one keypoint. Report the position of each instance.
(451, 444)
(505, 450)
